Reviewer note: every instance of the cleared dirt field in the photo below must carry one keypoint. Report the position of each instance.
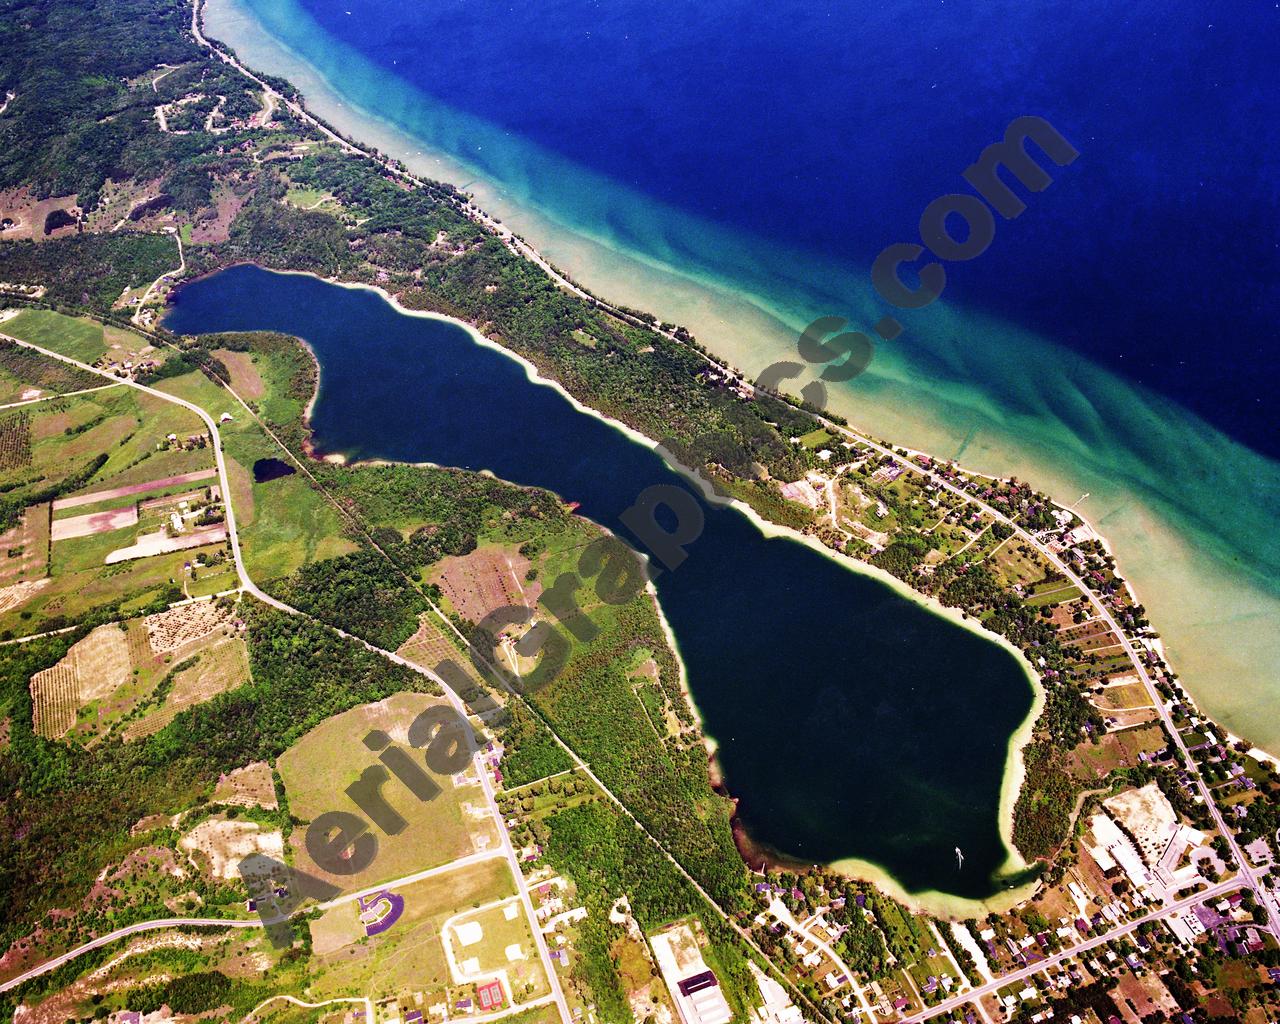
(94, 522)
(218, 228)
(217, 845)
(1091, 637)
(244, 375)
(490, 577)
(94, 497)
(93, 669)
(318, 769)
(161, 543)
(250, 786)
(15, 594)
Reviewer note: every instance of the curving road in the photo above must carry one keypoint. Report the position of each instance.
(122, 933)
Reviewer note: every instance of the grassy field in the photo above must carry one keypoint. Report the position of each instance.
(1115, 750)
(284, 523)
(1053, 593)
(818, 438)
(243, 367)
(1012, 565)
(409, 956)
(70, 336)
(307, 198)
(125, 344)
(122, 424)
(198, 389)
(318, 769)
(22, 369)
(504, 928)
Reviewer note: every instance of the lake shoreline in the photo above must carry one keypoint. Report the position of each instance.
(1170, 561)
(1013, 774)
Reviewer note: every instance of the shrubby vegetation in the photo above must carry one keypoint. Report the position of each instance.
(529, 751)
(88, 271)
(360, 593)
(196, 993)
(1042, 814)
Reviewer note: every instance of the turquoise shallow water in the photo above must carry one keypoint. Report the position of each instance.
(1190, 512)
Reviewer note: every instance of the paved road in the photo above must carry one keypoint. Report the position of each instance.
(1077, 950)
(783, 914)
(417, 876)
(121, 933)
(1268, 901)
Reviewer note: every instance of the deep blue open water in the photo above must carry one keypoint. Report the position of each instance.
(826, 127)
(736, 166)
(852, 722)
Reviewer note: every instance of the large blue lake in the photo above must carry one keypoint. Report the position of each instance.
(852, 721)
(734, 166)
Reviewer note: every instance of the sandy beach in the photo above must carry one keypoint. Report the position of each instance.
(1219, 619)
(1173, 576)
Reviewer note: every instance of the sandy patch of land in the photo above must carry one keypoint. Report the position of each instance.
(250, 786)
(14, 594)
(161, 543)
(217, 845)
(95, 522)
